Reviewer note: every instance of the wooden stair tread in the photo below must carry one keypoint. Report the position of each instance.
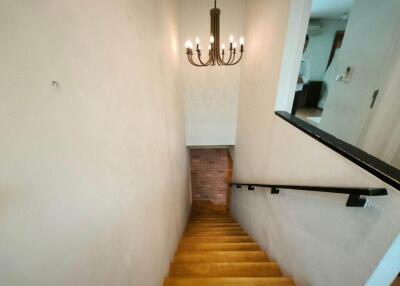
(217, 233)
(220, 256)
(223, 269)
(212, 219)
(216, 220)
(212, 229)
(212, 224)
(216, 239)
(229, 281)
(196, 246)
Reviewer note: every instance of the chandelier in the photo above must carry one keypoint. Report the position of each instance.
(216, 51)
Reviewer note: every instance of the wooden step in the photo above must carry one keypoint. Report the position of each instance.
(195, 246)
(211, 224)
(216, 239)
(236, 269)
(212, 221)
(213, 229)
(197, 223)
(221, 256)
(210, 216)
(229, 281)
(203, 217)
(216, 233)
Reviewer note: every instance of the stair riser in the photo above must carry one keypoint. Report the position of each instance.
(258, 269)
(218, 247)
(239, 256)
(216, 239)
(213, 229)
(213, 224)
(211, 219)
(265, 281)
(212, 233)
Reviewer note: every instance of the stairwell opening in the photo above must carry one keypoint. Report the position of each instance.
(211, 173)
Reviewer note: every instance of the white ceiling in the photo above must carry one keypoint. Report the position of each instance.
(330, 9)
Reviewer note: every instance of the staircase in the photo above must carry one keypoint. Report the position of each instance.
(215, 251)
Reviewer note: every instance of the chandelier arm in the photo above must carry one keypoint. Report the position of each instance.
(200, 60)
(238, 60)
(189, 56)
(226, 63)
(210, 58)
(232, 59)
(213, 59)
(209, 62)
(221, 62)
(193, 62)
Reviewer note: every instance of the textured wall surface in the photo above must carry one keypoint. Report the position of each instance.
(211, 93)
(93, 171)
(211, 171)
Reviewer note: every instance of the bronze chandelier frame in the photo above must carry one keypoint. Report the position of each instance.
(216, 53)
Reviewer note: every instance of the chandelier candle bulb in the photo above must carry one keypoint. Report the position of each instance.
(216, 51)
(189, 47)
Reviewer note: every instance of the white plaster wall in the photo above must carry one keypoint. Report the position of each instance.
(396, 160)
(313, 237)
(319, 47)
(210, 93)
(373, 29)
(381, 131)
(93, 173)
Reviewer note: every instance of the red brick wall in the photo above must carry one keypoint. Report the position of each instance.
(211, 171)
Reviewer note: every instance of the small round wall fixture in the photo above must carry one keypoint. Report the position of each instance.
(216, 50)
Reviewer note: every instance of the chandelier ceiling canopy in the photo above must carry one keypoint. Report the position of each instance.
(216, 52)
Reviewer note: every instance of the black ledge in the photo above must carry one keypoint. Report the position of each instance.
(375, 166)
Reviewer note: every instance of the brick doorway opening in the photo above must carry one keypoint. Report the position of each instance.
(211, 173)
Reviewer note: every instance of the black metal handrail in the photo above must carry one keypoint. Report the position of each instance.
(354, 199)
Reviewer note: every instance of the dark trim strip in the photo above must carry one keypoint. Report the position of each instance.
(375, 166)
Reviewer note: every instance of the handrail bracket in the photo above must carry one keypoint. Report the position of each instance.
(274, 191)
(356, 201)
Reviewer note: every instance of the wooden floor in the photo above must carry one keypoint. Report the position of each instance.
(307, 113)
(396, 282)
(215, 250)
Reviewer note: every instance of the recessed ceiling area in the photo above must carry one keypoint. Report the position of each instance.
(330, 9)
